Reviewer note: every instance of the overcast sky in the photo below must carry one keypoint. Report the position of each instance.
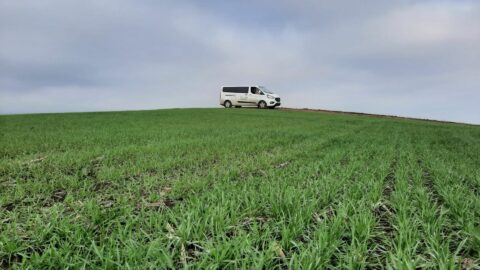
(408, 58)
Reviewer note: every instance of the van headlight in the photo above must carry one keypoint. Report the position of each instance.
(271, 97)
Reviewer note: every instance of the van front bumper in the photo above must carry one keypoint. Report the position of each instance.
(273, 103)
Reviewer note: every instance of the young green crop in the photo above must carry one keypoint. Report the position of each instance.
(239, 188)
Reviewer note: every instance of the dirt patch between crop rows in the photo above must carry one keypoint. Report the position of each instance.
(383, 212)
(372, 115)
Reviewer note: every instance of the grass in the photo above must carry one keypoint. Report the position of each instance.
(239, 188)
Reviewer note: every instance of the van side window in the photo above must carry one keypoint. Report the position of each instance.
(235, 89)
(254, 90)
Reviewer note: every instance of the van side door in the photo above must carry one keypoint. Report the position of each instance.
(242, 95)
(253, 96)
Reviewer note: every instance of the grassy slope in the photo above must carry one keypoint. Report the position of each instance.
(213, 188)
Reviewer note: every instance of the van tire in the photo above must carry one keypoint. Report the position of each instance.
(227, 104)
(262, 105)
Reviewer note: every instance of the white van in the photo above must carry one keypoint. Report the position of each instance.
(257, 96)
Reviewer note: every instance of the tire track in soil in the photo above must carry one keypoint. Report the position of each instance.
(451, 229)
(326, 213)
(383, 213)
(329, 212)
(430, 185)
(323, 144)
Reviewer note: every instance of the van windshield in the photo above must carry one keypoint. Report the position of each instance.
(265, 90)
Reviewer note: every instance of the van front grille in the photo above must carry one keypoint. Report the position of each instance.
(277, 99)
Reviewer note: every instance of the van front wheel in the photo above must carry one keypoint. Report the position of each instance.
(227, 104)
(262, 105)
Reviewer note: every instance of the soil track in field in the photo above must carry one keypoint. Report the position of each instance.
(383, 213)
(373, 115)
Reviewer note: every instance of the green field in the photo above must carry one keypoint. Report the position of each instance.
(238, 188)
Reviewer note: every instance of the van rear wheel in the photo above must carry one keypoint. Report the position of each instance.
(227, 104)
(262, 105)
